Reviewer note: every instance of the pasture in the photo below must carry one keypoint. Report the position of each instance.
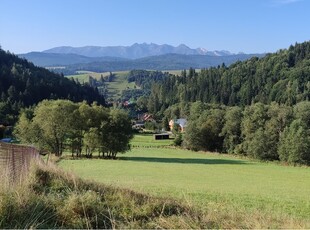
(114, 88)
(239, 190)
(147, 140)
(119, 84)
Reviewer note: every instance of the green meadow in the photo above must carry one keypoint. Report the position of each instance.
(114, 88)
(119, 84)
(240, 190)
(147, 140)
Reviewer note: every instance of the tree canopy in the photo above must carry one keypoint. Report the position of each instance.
(56, 125)
(22, 84)
(282, 77)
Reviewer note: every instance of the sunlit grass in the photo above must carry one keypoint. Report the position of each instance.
(53, 199)
(118, 84)
(210, 181)
(114, 87)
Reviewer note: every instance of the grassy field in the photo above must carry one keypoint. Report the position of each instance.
(82, 76)
(53, 199)
(239, 190)
(119, 84)
(147, 140)
(114, 88)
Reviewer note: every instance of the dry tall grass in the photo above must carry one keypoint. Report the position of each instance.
(51, 198)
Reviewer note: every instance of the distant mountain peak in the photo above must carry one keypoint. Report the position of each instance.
(137, 50)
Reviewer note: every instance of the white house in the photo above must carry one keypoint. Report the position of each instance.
(182, 122)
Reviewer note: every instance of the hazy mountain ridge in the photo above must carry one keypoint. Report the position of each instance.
(162, 62)
(64, 59)
(139, 56)
(134, 51)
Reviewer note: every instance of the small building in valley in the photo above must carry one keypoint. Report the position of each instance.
(182, 122)
(161, 136)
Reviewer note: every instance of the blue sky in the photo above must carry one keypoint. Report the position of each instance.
(249, 26)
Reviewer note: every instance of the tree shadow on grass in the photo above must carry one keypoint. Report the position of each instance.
(184, 160)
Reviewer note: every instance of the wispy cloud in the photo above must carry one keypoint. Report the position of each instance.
(283, 2)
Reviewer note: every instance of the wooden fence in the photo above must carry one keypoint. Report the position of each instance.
(15, 162)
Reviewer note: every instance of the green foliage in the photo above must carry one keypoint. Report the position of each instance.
(91, 141)
(294, 145)
(232, 129)
(178, 140)
(176, 129)
(254, 118)
(302, 112)
(151, 125)
(165, 124)
(22, 84)
(59, 124)
(203, 133)
(157, 62)
(282, 77)
(259, 131)
(193, 137)
(116, 132)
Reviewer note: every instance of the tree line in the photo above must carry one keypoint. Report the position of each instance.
(258, 108)
(22, 84)
(58, 125)
(265, 132)
(282, 77)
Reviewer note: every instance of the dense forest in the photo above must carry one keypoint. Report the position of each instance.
(22, 84)
(259, 108)
(265, 132)
(283, 77)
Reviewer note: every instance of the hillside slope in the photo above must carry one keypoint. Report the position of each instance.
(22, 84)
(283, 77)
(63, 59)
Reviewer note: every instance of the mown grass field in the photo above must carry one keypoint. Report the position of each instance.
(147, 140)
(236, 189)
(114, 87)
(119, 84)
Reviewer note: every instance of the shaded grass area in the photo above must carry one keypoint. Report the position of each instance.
(148, 140)
(246, 193)
(54, 199)
(182, 160)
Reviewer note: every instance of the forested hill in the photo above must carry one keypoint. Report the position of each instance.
(22, 84)
(283, 77)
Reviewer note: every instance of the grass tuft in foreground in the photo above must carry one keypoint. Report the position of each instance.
(54, 199)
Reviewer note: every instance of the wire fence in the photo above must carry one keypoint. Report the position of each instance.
(15, 162)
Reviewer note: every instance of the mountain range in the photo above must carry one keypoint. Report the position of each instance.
(134, 51)
(137, 56)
